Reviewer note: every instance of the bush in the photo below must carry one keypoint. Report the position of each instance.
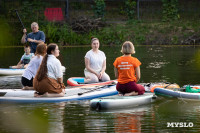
(99, 8)
(170, 10)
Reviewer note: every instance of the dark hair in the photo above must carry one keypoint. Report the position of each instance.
(42, 72)
(27, 46)
(41, 49)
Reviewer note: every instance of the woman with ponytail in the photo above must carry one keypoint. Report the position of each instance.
(49, 79)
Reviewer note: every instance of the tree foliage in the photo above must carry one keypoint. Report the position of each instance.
(130, 8)
(170, 10)
(99, 8)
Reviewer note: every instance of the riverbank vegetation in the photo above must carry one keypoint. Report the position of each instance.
(169, 26)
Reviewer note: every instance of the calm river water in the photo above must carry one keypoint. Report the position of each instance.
(174, 64)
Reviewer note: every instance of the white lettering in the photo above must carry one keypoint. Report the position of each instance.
(124, 65)
(176, 124)
(190, 124)
(185, 124)
(179, 124)
(124, 62)
(170, 124)
(124, 68)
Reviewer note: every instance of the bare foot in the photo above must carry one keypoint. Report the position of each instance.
(36, 94)
(131, 94)
(120, 94)
(46, 94)
(25, 88)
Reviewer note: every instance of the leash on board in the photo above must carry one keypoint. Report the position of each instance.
(98, 87)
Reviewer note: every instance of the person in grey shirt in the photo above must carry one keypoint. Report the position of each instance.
(34, 38)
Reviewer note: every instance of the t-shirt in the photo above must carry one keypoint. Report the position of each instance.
(96, 59)
(54, 67)
(35, 36)
(26, 58)
(126, 68)
(32, 67)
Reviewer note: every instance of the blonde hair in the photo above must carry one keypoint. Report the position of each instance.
(34, 24)
(128, 48)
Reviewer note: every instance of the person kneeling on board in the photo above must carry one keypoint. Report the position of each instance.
(49, 78)
(31, 70)
(127, 71)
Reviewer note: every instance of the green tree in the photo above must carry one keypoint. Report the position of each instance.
(99, 8)
(130, 8)
(170, 10)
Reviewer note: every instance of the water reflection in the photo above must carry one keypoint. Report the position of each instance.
(129, 120)
(177, 111)
(56, 118)
(77, 117)
(34, 118)
(159, 64)
(8, 82)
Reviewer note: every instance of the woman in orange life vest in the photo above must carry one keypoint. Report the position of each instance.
(127, 71)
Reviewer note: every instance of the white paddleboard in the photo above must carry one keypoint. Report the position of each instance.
(8, 72)
(121, 102)
(75, 94)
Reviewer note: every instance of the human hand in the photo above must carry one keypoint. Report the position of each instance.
(30, 40)
(24, 31)
(100, 75)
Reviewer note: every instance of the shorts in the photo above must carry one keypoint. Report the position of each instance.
(26, 82)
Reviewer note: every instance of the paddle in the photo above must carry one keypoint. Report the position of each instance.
(19, 19)
(96, 88)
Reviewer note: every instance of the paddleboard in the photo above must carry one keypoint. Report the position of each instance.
(121, 102)
(10, 71)
(79, 81)
(75, 94)
(176, 93)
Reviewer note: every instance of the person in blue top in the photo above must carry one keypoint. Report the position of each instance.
(34, 38)
(25, 59)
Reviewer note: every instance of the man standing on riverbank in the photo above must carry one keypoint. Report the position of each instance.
(34, 38)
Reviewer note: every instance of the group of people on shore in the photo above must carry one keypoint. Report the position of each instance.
(44, 74)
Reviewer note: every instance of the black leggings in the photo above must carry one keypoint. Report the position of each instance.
(26, 82)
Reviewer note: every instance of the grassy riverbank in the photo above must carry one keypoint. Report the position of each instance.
(139, 32)
(181, 26)
(181, 32)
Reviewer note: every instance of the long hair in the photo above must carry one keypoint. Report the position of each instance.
(41, 49)
(42, 72)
